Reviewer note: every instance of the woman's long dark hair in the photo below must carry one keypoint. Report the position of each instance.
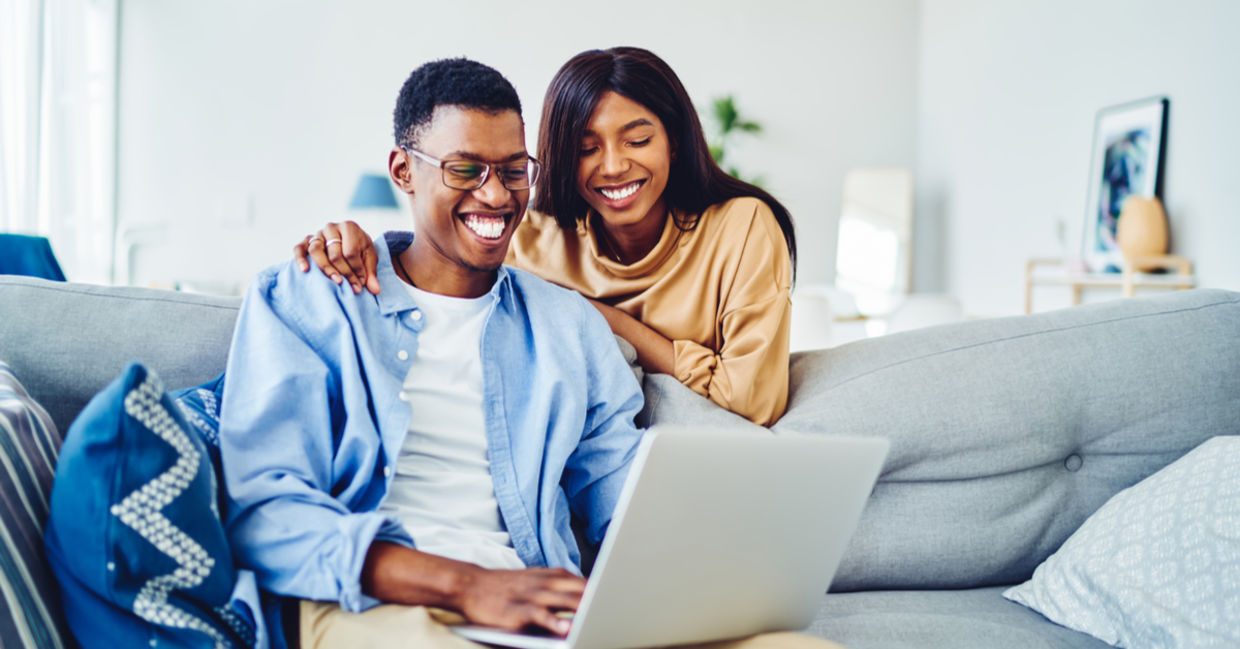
(695, 181)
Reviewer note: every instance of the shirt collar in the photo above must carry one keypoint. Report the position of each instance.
(393, 298)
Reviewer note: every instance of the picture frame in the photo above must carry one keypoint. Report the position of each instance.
(1127, 159)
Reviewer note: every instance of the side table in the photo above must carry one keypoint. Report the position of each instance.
(1134, 275)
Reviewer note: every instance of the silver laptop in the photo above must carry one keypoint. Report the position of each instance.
(718, 535)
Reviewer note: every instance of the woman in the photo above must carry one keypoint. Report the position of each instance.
(690, 265)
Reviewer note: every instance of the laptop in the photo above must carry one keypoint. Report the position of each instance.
(717, 535)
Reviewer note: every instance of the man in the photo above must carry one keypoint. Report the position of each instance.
(426, 447)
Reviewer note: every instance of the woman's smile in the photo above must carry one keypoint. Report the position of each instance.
(621, 196)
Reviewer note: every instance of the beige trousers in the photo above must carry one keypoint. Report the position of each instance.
(390, 626)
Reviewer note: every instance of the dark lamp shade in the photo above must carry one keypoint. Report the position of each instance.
(373, 191)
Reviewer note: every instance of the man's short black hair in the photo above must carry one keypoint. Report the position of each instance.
(449, 82)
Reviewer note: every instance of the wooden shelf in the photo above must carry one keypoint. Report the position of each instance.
(1055, 272)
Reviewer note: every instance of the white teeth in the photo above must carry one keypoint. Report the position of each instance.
(487, 227)
(623, 192)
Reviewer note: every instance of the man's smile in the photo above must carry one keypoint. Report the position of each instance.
(486, 225)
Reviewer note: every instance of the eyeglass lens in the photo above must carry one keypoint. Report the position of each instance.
(466, 174)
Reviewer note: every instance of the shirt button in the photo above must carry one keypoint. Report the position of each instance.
(415, 316)
(402, 355)
(387, 471)
(404, 396)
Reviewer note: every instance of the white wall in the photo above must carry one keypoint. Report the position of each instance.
(1008, 94)
(244, 125)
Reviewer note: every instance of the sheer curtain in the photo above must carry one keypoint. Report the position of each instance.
(57, 128)
(21, 90)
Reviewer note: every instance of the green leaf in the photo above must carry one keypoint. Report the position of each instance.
(729, 121)
(726, 113)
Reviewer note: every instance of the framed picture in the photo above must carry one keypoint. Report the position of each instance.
(1127, 159)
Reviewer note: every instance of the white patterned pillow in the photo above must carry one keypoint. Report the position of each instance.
(30, 614)
(1159, 564)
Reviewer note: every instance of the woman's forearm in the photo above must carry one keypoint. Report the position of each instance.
(655, 352)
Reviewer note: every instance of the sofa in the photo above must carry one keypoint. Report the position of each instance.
(1006, 434)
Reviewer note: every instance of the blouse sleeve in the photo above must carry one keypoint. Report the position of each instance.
(748, 375)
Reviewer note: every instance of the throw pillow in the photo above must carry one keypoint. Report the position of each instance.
(1159, 564)
(30, 612)
(135, 537)
(200, 405)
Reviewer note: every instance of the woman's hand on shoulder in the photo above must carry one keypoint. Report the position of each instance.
(343, 252)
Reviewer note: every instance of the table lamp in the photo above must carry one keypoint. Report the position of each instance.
(373, 191)
(374, 206)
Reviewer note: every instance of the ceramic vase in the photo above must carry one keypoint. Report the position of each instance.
(1142, 229)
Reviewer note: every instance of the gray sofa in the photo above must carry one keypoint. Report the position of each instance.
(1006, 433)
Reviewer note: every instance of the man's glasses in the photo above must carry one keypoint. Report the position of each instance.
(470, 175)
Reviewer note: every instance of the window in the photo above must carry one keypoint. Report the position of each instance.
(58, 128)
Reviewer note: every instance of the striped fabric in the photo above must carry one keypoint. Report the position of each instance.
(29, 605)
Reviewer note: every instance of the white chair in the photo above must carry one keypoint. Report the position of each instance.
(811, 319)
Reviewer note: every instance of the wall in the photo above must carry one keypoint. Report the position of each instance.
(244, 125)
(1008, 94)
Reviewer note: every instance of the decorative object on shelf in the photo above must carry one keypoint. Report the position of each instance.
(1127, 160)
(373, 190)
(1142, 230)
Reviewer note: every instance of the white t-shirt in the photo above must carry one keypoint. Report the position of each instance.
(442, 492)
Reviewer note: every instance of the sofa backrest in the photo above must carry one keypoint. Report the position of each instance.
(1007, 433)
(66, 341)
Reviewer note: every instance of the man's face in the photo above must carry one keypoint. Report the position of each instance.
(459, 232)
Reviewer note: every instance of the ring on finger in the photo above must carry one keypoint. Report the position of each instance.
(330, 242)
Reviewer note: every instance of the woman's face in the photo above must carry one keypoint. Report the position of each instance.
(625, 160)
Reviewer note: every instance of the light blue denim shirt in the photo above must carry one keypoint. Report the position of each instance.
(313, 423)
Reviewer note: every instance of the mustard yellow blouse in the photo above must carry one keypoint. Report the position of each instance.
(719, 292)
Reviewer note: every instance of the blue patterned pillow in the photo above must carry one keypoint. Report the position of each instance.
(29, 609)
(135, 537)
(200, 405)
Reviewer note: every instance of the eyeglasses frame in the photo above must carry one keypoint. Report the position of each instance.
(532, 165)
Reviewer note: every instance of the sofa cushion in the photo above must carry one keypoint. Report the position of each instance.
(1008, 433)
(940, 619)
(135, 537)
(30, 615)
(669, 402)
(67, 341)
(1158, 564)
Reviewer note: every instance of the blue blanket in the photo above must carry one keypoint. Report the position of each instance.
(26, 255)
